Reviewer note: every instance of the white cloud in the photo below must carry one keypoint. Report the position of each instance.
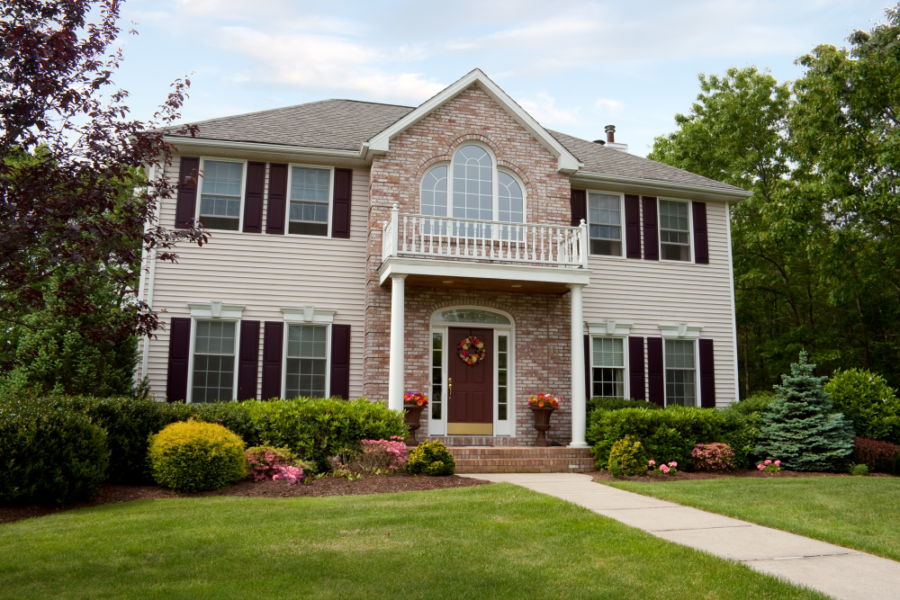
(543, 109)
(607, 107)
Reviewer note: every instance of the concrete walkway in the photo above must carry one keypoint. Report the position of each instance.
(839, 572)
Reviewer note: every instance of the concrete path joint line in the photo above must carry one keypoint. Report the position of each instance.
(839, 572)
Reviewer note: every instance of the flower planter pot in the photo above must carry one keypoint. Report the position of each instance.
(412, 419)
(542, 423)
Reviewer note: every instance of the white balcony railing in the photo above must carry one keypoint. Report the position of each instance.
(468, 239)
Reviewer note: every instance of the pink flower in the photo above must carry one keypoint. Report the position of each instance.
(768, 462)
(777, 463)
(664, 468)
(652, 463)
(673, 464)
(760, 467)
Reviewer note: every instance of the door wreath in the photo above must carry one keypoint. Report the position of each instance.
(471, 351)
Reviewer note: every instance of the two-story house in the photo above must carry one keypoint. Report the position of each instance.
(364, 249)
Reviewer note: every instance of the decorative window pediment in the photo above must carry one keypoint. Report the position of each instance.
(216, 310)
(610, 327)
(681, 331)
(308, 314)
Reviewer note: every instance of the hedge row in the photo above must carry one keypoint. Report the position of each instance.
(58, 449)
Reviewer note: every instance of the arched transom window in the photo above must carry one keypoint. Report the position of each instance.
(472, 187)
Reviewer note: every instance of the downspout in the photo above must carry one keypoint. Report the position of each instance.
(151, 257)
(737, 379)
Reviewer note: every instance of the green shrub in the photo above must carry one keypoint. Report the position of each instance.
(49, 453)
(755, 404)
(859, 470)
(742, 430)
(866, 399)
(799, 428)
(430, 458)
(627, 458)
(193, 456)
(617, 404)
(318, 428)
(666, 435)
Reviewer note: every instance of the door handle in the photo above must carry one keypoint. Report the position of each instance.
(449, 387)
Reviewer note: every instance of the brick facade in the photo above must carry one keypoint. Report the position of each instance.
(542, 321)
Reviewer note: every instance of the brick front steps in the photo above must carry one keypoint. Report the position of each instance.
(522, 459)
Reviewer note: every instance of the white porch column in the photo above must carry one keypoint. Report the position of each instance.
(579, 403)
(398, 321)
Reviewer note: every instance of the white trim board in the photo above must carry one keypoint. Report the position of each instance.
(448, 268)
(566, 161)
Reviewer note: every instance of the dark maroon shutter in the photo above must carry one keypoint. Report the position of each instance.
(340, 361)
(273, 341)
(701, 233)
(655, 377)
(179, 356)
(651, 229)
(253, 197)
(588, 388)
(707, 375)
(340, 206)
(579, 207)
(633, 227)
(275, 214)
(636, 368)
(188, 176)
(248, 360)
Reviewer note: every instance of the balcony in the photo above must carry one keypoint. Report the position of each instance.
(444, 251)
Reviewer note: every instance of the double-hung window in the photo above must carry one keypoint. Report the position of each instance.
(306, 361)
(605, 223)
(213, 374)
(681, 373)
(674, 230)
(608, 368)
(310, 201)
(220, 195)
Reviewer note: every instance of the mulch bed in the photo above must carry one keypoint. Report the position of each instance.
(753, 474)
(327, 486)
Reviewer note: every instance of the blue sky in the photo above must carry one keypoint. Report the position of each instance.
(575, 66)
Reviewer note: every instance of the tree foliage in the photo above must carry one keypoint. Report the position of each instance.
(67, 148)
(817, 247)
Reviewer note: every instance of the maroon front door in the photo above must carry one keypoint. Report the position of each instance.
(471, 398)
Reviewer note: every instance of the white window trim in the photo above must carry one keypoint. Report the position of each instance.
(495, 202)
(214, 311)
(287, 212)
(587, 200)
(697, 390)
(202, 178)
(508, 427)
(681, 331)
(690, 219)
(307, 315)
(611, 330)
(284, 350)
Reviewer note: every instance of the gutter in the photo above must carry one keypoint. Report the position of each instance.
(730, 195)
(148, 257)
(257, 147)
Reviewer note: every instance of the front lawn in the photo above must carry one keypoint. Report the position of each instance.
(497, 541)
(855, 512)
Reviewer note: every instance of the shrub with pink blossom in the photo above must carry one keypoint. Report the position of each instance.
(712, 457)
(277, 464)
(669, 468)
(769, 466)
(380, 455)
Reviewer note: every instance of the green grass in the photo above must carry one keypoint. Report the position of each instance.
(498, 541)
(856, 512)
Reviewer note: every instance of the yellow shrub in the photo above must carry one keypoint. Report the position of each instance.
(192, 456)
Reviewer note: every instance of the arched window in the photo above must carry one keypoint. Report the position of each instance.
(471, 187)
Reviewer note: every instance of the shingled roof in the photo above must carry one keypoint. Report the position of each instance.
(346, 124)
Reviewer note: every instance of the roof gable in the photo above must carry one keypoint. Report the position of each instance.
(566, 161)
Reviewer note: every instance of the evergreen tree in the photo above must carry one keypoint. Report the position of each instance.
(799, 428)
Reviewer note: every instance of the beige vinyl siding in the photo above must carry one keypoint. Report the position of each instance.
(649, 293)
(265, 273)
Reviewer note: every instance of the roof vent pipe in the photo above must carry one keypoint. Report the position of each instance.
(610, 134)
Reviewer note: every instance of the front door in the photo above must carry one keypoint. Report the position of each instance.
(470, 399)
